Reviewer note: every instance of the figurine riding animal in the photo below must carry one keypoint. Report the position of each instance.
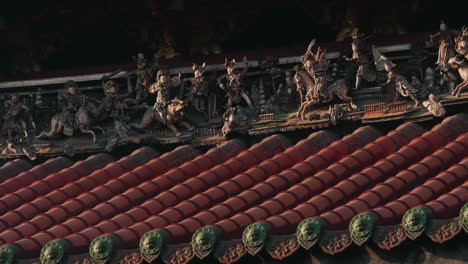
(460, 62)
(174, 115)
(462, 66)
(319, 92)
(84, 121)
(300, 86)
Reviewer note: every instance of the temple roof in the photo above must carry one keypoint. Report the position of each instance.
(326, 191)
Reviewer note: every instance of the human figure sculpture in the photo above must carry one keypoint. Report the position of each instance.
(233, 83)
(18, 127)
(320, 88)
(76, 111)
(402, 85)
(199, 92)
(162, 89)
(114, 106)
(445, 38)
(143, 80)
(362, 67)
(460, 62)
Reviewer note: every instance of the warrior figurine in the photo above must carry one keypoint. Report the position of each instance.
(199, 91)
(445, 38)
(233, 83)
(315, 64)
(362, 66)
(162, 89)
(114, 106)
(70, 100)
(143, 79)
(18, 127)
(461, 43)
(402, 85)
(76, 111)
(460, 62)
(317, 67)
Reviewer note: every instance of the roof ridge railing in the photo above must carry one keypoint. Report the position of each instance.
(188, 69)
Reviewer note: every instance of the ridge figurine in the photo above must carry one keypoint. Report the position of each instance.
(18, 128)
(76, 111)
(460, 61)
(402, 85)
(233, 83)
(114, 106)
(320, 87)
(445, 39)
(199, 92)
(162, 89)
(362, 66)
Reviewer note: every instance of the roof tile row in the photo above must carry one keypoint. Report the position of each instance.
(231, 187)
(76, 214)
(12, 168)
(38, 172)
(397, 185)
(181, 231)
(52, 181)
(434, 187)
(255, 154)
(73, 189)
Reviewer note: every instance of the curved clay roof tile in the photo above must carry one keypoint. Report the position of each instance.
(12, 168)
(73, 189)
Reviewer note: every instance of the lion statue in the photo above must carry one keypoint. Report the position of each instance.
(174, 114)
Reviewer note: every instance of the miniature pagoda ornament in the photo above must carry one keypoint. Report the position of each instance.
(261, 98)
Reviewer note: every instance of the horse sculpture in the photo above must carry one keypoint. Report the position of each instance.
(460, 62)
(462, 66)
(318, 91)
(83, 120)
(174, 115)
